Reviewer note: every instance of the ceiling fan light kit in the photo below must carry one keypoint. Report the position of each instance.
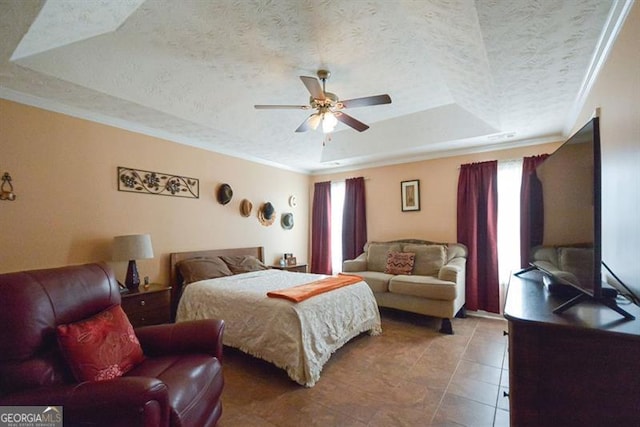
(328, 106)
(329, 122)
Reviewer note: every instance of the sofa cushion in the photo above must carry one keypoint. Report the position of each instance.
(377, 255)
(423, 286)
(399, 263)
(377, 281)
(429, 259)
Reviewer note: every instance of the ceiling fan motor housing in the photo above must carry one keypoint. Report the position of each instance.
(330, 100)
(323, 74)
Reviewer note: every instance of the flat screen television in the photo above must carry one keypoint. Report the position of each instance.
(570, 253)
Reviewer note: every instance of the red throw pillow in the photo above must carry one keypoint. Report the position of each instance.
(400, 263)
(102, 347)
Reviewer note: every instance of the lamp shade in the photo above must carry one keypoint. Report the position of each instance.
(132, 247)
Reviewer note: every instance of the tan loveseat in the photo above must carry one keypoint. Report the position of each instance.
(435, 286)
(572, 264)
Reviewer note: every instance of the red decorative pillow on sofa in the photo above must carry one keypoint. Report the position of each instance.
(400, 263)
(101, 347)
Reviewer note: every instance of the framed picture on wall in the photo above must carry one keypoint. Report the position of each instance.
(410, 191)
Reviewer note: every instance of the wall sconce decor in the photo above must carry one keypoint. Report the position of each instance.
(130, 248)
(163, 184)
(6, 189)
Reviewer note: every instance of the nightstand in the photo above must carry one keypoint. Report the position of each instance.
(149, 306)
(298, 268)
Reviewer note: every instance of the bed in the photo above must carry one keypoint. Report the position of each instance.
(297, 337)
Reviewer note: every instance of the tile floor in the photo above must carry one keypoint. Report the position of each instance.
(409, 376)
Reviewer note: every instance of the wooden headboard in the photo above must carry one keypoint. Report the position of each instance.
(176, 257)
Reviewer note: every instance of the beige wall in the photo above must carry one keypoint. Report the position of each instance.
(617, 93)
(436, 219)
(68, 207)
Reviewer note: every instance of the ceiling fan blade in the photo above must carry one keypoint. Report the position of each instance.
(311, 123)
(315, 120)
(350, 121)
(281, 107)
(313, 86)
(366, 101)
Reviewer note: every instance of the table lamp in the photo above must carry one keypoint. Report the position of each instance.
(130, 248)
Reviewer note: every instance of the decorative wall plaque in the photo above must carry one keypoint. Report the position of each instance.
(163, 184)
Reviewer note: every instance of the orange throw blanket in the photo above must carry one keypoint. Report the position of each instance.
(302, 292)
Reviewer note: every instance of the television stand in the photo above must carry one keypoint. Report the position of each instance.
(609, 302)
(570, 370)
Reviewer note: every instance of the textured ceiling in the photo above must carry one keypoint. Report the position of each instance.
(462, 74)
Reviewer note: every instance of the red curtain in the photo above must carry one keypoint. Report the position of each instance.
(354, 219)
(321, 229)
(531, 208)
(478, 230)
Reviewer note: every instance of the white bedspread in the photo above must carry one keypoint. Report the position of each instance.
(299, 338)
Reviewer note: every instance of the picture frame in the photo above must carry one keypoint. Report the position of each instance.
(410, 195)
(291, 261)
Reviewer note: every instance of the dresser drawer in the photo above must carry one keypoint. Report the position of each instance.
(148, 317)
(148, 308)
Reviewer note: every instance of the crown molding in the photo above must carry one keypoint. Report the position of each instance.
(617, 15)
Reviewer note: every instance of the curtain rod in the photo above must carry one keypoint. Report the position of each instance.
(499, 161)
(344, 180)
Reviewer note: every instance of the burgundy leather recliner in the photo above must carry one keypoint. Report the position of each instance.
(179, 383)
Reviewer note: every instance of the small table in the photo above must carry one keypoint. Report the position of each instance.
(298, 268)
(149, 306)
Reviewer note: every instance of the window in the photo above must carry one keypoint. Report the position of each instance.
(509, 180)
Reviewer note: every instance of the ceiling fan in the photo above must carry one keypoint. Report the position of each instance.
(328, 107)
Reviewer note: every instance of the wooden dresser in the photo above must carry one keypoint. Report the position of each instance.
(149, 306)
(578, 368)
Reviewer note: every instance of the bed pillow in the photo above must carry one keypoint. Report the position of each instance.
(243, 263)
(399, 263)
(195, 269)
(101, 347)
